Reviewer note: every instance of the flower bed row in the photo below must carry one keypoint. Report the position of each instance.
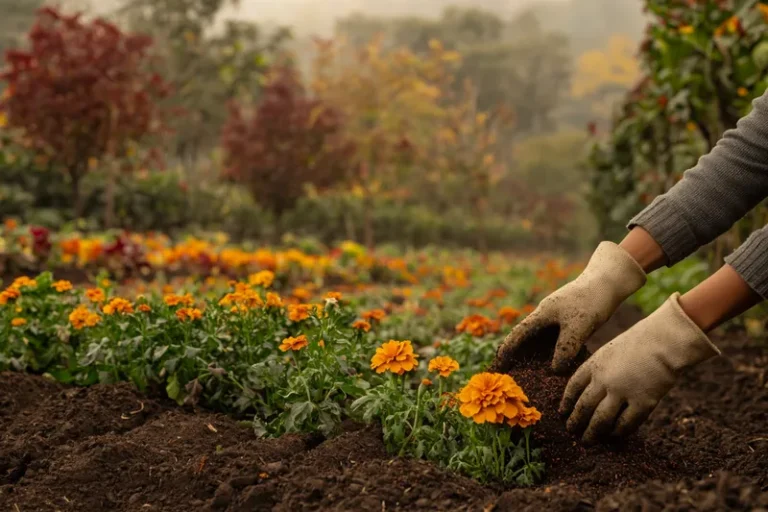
(286, 365)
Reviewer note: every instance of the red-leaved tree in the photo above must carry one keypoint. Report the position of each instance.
(290, 140)
(83, 90)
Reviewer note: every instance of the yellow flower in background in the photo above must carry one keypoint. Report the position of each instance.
(443, 365)
(172, 299)
(18, 322)
(82, 317)
(295, 344)
(118, 305)
(274, 300)
(394, 356)
(686, 30)
(298, 312)
(361, 325)
(95, 294)
(62, 286)
(742, 91)
(265, 278)
(189, 314)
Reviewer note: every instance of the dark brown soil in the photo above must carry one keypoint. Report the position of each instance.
(108, 448)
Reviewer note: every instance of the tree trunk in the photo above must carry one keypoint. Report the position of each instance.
(77, 198)
(109, 195)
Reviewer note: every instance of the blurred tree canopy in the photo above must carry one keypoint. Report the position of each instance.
(209, 66)
(515, 64)
(17, 17)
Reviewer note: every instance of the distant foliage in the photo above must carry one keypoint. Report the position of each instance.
(290, 141)
(703, 63)
(80, 92)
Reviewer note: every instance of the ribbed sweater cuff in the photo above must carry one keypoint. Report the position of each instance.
(668, 227)
(750, 260)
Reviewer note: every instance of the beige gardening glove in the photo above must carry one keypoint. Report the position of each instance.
(579, 308)
(621, 384)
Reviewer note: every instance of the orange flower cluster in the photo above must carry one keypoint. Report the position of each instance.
(244, 297)
(295, 344)
(95, 295)
(299, 312)
(188, 314)
(172, 299)
(443, 365)
(374, 315)
(274, 300)
(496, 398)
(117, 305)
(361, 325)
(508, 314)
(18, 322)
(14, 290)
(265, 278)
(81, 317)
(62, 286)
(477, 325)
(394, 356)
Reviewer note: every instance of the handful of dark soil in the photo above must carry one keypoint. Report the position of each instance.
(566, 458)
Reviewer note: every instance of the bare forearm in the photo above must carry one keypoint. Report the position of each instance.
(644, 249)
(722, 296)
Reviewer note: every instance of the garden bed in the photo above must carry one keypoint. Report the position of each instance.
(111, 448)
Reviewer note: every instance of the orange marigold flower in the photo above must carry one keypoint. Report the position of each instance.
(443, 365)
(495, 398)
(764, 11)
(18, 322)
(361, 325)
(528, 416)
(426, 382)
(95, 294)
(62, 286)
(188, 314)
(301, 294)
(295, 344)
(375, 314)
(9, 294)
(117, 305)
(265, 278)
(299, 312)
(10, 224)
(321, 343)
(172, 299)
(509, 314)
(528, 309)
(144, 308)
(477, 325)
(23, 282)
(81, 317)
(274, 300)
(332, 296)
(477, 303)
(394, 356)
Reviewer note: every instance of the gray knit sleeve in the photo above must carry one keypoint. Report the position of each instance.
(723, 186)
(750, 260)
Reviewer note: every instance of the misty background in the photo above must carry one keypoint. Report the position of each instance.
(541, 76)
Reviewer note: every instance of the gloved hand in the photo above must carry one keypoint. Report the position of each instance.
(621, 384)
(579, 308)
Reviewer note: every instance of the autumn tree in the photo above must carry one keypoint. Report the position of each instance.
(289, 141)
(81, 92)
(208, 65)
(516, 63)
(392, 101)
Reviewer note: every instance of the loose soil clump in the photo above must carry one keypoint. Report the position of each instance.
(110, 448)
